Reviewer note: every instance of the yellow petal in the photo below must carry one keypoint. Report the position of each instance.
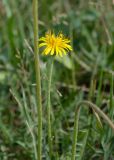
(66, 46)
(42, 44)
(57, 51)
(60, 53)
(47, 50)
(42, 39)
(52, 51)
(63, 50)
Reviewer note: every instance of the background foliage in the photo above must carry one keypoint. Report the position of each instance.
(87, 73)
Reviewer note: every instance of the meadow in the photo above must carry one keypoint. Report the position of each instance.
(77, 93)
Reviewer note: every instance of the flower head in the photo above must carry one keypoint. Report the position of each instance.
(55, 45)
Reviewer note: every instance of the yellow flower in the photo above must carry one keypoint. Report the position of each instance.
(58, 45)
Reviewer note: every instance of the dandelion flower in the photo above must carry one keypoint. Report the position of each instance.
(55, 45)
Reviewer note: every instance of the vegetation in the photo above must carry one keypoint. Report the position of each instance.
(83, 77)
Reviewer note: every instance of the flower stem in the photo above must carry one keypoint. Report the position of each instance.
(77, 113)
(75, 136)
(38, 78)
(50, 70)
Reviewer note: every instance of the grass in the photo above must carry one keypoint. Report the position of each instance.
(38, 79)
(85, 74)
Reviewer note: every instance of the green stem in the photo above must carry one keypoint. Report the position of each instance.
(50, 70)
(38, 78)
(77, 113)
(75, 136)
